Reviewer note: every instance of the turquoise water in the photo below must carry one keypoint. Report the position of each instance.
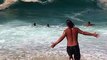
(18, 36)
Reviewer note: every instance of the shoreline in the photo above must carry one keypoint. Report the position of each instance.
(35, 57)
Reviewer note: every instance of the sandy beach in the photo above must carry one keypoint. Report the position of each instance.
(33, 57)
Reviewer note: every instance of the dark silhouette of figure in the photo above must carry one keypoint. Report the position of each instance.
(71, 34)
(34, 24)
(89, 24)
(48, 25)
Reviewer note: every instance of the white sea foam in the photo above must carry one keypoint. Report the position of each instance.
(35, 0)
(102, 4)
(30, 0)
(29, 42)
(6, 4)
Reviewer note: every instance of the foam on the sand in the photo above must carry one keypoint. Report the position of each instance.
(24, 55)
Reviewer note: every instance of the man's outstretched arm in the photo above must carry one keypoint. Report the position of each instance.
(59, 40)
(88, 33)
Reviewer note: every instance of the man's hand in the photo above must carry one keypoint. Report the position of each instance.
(96, 35)
(53, 45)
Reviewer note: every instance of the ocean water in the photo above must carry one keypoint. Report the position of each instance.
(20, 40)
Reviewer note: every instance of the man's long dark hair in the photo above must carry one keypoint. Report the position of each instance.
(69, 23)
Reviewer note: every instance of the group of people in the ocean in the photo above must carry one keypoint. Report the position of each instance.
(71, 34)
(87, 24)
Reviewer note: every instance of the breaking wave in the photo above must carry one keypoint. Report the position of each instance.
(93, 3)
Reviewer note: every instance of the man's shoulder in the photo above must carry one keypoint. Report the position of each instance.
(66, 29)
(73, 28)
(76, 28)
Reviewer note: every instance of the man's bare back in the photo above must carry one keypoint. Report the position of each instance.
(71, 33)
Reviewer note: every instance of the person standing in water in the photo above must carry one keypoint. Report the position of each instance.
(34, 24)
(48, 25)
(71, 33)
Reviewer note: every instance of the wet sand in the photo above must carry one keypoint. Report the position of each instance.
(42, 56)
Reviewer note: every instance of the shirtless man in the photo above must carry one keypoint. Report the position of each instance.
(71, 33)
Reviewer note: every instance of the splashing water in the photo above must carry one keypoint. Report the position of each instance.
(7, 3)
(102, 3)
(23, 41)
(20, 40)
